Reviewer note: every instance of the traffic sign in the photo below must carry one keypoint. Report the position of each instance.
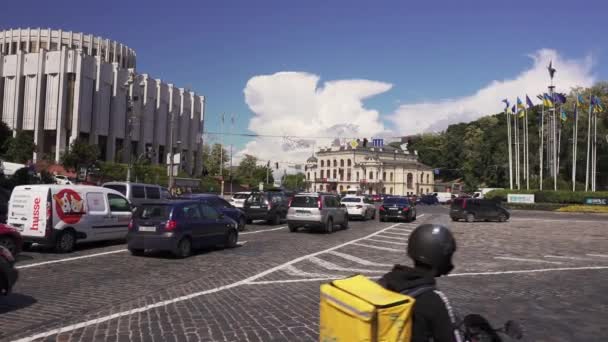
(354, 144)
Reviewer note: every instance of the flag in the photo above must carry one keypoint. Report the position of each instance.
(520, 107)
(506, 104)
(579, 100)
(564, 116)
(598, 105)
(560, 98)
(513, 111)
(551, 69)
(529, 102)
(547, 100)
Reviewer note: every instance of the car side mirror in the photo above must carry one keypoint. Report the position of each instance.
(222, 215)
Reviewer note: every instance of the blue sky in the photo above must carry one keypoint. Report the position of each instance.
(427, 51)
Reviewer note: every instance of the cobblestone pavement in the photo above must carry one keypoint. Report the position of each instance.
(549, 272)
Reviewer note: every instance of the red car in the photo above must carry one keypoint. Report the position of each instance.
(10, 238)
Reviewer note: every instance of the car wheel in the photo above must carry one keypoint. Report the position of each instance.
(502, 218)
(293, 228)
(345, 224)
(329, 226)
(276, 220)
(249, 221)
(26, 246)
(374, 214)
(364, 217)
(232, 239)
(470, 218)
(454, 219)
(65, 242)
(9, 243)
(382, 219)
(184, 248)
(242, 223)
(4, 289)
(136, 251)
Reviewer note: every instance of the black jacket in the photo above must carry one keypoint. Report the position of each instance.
(433, 317)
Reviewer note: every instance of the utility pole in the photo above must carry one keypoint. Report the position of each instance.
(222, 156)
(131, 118)
(231, 131)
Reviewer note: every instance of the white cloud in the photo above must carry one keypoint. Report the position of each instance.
(294, 104)
(437, 115)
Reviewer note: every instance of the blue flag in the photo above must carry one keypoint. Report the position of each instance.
(529, 102)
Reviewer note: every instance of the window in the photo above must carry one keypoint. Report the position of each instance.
(352, 200)
(410, 180)
(308, 176)
(315, 176)
(341, 188)
(335, 174)
(348, 163)
(152, 192)
(427, 179)
(330, 202)
(348, 176)
(341, 175)
(118, 187)
(96, 202)
(391, 176)
(118, 203)
(391, 191)
(322, 163)
(218, 202)
(137, 191)
(371, 175)
(384, 176)
(357, 176)
(322, 173)
(341, 162)
(422, 178)
(276, 198)
(191, 212)
(209, 212)
(335, 163)
(396, 200)
(154, 211)
(320, 188)
(304, 202)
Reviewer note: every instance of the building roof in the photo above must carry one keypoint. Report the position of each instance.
(312, 159)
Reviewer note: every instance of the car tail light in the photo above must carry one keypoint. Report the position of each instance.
(381, 208)
(130, 225)
(464, 204)
(359, 207)
(171, 225)
(319, 203)
(405, 208)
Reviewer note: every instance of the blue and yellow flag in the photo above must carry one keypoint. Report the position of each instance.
(579, 100)
(564, 116)
(598, 105)
(547, 100)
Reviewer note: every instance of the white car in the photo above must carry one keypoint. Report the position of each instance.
(238, 199)
(360, 207)
(62, 180)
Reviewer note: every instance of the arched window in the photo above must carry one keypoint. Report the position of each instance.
(391, 191)
(427, 179)
(308, 176)
(341, 162)
(391, 176)
(410, 181)
(322, 163)
(347, 187)
(315, 174)
(321, 187)
(335, 163)
(335, 174)
(371, 175)
(348, 163)
(384, 176)
(322, 173)
(341, 188)
(357, 176)
(422, 177)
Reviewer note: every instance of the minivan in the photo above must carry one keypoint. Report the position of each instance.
(316, 210)
(472, 209)
(139, 193)
(62, 215)
(270, 206)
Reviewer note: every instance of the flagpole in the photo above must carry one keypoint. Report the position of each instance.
(516, 151)
(554, 150)
(559, 139)
(594, 179)
(221, 156)
(588, 148)
(527, 154)
(542, 143)
(510, 153)
(574, 143)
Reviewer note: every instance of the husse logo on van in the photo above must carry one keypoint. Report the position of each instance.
(36, 216)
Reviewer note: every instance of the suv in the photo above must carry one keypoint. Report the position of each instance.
(359, 206)
(270, 206)
(471, 209)
(316, 210)
(238, 199)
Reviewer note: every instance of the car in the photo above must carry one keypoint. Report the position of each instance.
(376, 198)
(359, 207)
(139, 193)
(238, 199)
(443, 197)
(397, 208)
(222, 205)
(8, 272)
(179, 226)
(428, 199)
(473, 209)
(10, 239)
(5, 196)
(63, 215)
(270, 206)
(62, 180)
(314, 210)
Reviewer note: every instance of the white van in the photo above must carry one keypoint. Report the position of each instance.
(139, 193)
(443, 197)
(62, 215)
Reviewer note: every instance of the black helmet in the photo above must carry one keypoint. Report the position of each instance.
(432, 245)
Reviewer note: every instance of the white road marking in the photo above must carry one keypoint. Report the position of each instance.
(400, 234)
(263, 230)
(378, 247)
(359, 260)
(331, 266)
(384, 241)
(291, 270)
(245, 281)
(598, 255)
(242, 243)
(471, 274)
(407, 231)
(529, 260)
(399, 238)
(69, 259)
(566, 257)
(600, 219)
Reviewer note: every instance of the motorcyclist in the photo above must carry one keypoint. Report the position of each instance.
(431, 247)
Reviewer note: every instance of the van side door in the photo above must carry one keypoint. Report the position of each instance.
(99, 223)
(120, 212)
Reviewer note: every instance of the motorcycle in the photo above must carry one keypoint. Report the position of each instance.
(476, 328)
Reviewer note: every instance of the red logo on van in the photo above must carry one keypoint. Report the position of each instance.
(36, 216)
(69, 206)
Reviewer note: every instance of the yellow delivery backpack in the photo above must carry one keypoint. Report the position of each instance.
(358, 309)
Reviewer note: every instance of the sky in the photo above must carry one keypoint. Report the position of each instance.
(313, 69)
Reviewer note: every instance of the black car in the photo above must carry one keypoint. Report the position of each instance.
(179, 227)
(429, 199)
(8, 273)
(397, 208)
(472, 209)
(270, 206)
(222, 205)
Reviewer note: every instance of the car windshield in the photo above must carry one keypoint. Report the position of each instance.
(304, 201)
(396, 200)
(240, 196)
(118, 187)
(158, 211)
(351, 199)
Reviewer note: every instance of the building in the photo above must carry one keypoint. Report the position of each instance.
(62, 86)
(371, 169)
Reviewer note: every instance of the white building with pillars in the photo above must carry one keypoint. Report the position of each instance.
(372, 170)
(62, 86)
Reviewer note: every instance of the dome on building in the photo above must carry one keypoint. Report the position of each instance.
(312, 159)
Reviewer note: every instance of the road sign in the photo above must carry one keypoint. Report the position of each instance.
(596, 201)
(354, 144)
(261, 186)
(520, 198)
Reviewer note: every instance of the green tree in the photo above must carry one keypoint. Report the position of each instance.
(246, 170)
(80, 154)
(212, 160)
(294, 182)
(5, 135)
(20, 148)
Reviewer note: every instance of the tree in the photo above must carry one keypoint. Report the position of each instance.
(5, 135)
(20, 148)
(80, 154)
(246, 170)
(294, 182)
(211, 159)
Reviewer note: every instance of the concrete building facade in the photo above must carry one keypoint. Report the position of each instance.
(63, 86)
(372, 170)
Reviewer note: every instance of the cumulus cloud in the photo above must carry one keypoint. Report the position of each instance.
(295, 104)
(437, 115)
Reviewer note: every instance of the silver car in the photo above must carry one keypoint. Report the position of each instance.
(316, 210)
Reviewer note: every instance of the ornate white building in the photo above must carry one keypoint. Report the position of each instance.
(62, 86)
(373, 170)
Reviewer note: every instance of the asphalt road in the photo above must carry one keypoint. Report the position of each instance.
(547, 270)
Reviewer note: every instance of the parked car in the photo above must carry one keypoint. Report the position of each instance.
(316, 210)
(223, 206)
(139, 193)
(429, 199)
(376, 198)
(397, 208)
(10, 239)
(359, 207)
(62, 180)
(472, 209)
(179, 227)
(63, 215)
(270, 206)
(8, 272)
(238, 199)
(443, 197)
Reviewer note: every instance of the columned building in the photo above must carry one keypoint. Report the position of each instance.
(62, 86)
(372, 170)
